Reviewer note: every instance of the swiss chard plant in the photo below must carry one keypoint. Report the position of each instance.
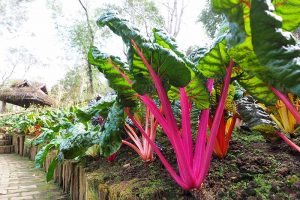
(261, 43)
(157, 69)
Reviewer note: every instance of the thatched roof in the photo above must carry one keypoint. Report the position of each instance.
(25, 93)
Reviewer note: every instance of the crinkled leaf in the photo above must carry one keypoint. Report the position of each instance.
(289, 11)
(213, 63)
(104, 63)
(196, 89)
(276, 50)
(110, 138)
(171, 68)
(101, 107)
(78, 142)
(255, 86)
(256, 118)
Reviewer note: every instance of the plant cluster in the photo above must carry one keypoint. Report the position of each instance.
(191, 99)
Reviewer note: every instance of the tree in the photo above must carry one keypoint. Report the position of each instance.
(13, 14)
(83, 32)
(210, 20)
(90, 37)
(18, 59)
(175, 10)
(74, 87)
(143, 14)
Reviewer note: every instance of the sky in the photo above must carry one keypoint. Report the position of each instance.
(39, 36)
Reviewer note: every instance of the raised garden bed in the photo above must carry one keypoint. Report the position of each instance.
(253, 169)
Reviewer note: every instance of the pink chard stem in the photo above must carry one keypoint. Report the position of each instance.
(216, 124)
(288, 104)
(159, 154)
(185, 170)
(201, 136)
(289, 142)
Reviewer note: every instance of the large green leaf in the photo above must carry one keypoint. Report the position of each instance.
(196, 89)
(116, 81)
(170, 67)
(110, 138)
(255, 86)
(42, 154)
(214, 62)
(100, 108)
(289, 11)
(256, 118)
(78, 140)
(276, 50)
(235, 11)
(51, 169)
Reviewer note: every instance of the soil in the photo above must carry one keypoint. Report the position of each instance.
(253, 169)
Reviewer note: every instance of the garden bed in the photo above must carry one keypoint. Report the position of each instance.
(253, 169)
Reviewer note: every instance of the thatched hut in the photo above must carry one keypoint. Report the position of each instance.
(26, 93)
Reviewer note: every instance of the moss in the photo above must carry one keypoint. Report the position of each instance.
(248, 138)
(263, 187)
(291, 179)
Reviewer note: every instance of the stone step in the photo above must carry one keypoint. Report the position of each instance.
(7, 149)
(5, 142)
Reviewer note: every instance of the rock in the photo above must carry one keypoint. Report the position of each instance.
(284, 171)
(296, 186)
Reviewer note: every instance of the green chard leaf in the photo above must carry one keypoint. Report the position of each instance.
(170, 67)
(110, 139)
(255, 86)
(289, 11)
(116, 81)
(196, 88)
(42, 154)
(100, 108)
(275, 49)
(214, 62)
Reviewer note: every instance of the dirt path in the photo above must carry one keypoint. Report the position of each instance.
(20, 180)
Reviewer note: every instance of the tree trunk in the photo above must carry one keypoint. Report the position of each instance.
(3, 107)
(90, 74)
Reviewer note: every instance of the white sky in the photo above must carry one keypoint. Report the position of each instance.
(40, 37)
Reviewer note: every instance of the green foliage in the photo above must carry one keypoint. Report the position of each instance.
(210, 20)
(214, 62)
(110, 138)
(276, 50)
(257, 43)
(289, 11)
(171, 68)
(117, 82)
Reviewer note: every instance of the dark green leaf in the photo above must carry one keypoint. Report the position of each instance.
(51, 169)
(42, 154)
(171, 68)
(110, 138)
(276, 50)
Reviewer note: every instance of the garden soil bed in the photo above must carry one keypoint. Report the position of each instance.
(253, 169)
